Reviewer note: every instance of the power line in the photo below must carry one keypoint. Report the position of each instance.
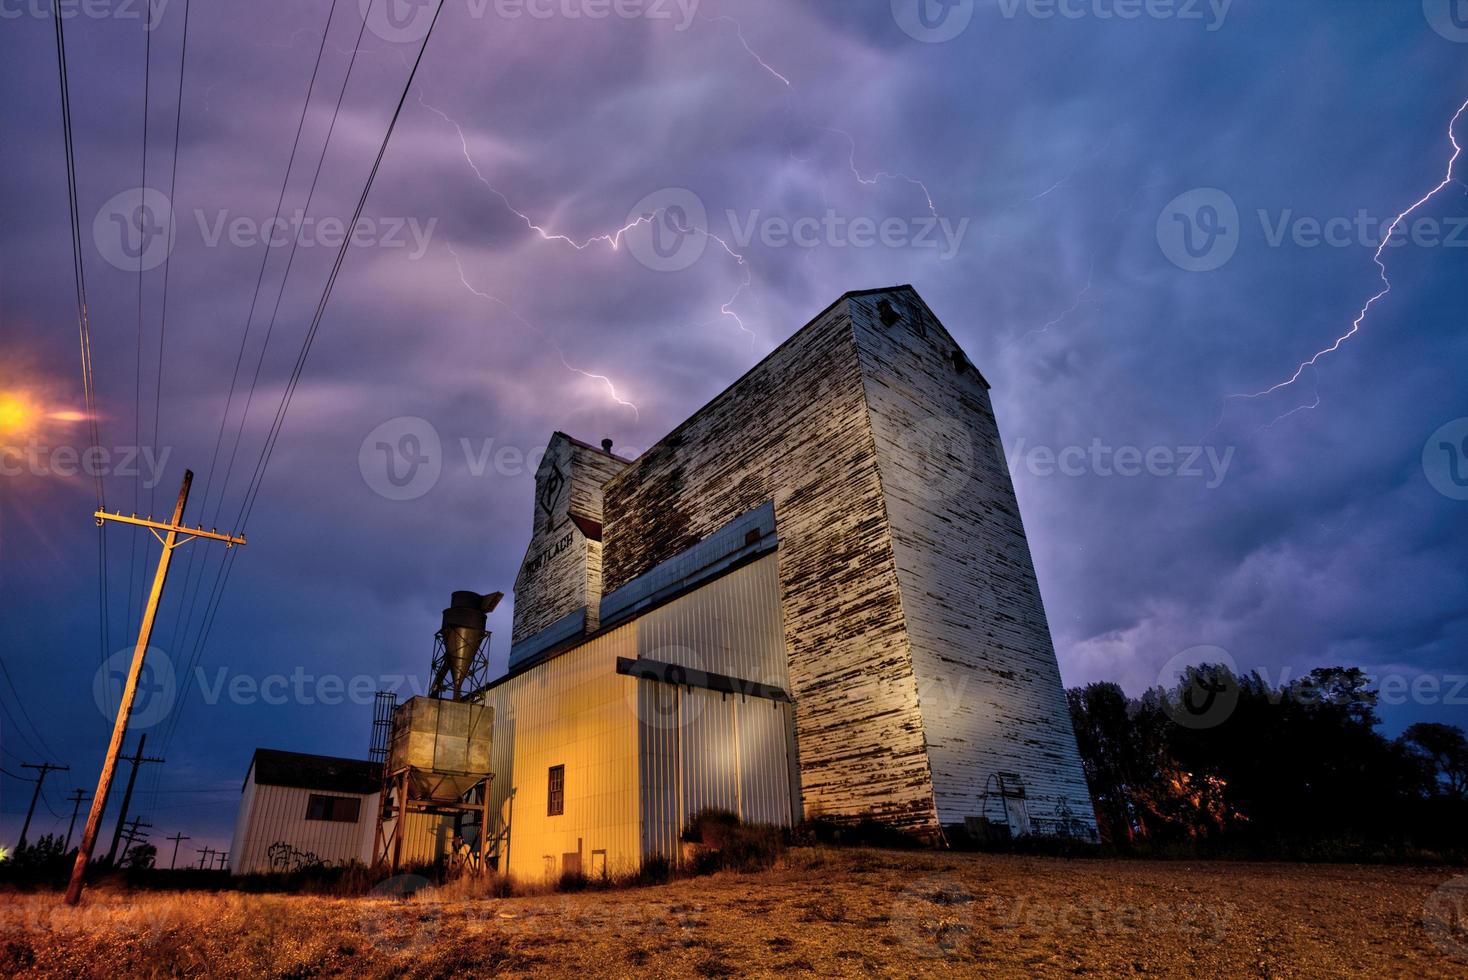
(83, 327)
(252, 490)
(183, 56)
(138, 360)
(167, 268)
(20, 706)
(191, 596)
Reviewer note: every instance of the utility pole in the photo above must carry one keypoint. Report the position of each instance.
(136, 759)
(203, 853)
(41, 771)
(170, 541)
(223, 860)
(76, 798)
(134, 835)
(175, 838)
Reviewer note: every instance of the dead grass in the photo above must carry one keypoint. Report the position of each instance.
(843, 913)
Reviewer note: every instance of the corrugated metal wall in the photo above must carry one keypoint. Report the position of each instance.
(731, 626)
(574, 711)
(277, 814)
(702, 749)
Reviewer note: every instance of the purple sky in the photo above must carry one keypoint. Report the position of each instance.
(1023, 174)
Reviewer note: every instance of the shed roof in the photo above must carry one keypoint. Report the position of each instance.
(275, 767)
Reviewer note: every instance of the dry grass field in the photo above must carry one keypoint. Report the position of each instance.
(844, 913)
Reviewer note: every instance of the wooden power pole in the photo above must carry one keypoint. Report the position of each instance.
(175, 838)
(77, 798)
(41, 771)
(170, 540)
(136, 759)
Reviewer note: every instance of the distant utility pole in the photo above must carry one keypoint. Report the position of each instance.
(170, 541)
(41, 771)
(223, 860)
(77, 799)
(133, 834)
(136, 759)
(175, 838)
(204, 853)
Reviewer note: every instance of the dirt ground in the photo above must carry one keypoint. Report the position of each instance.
(844, 913)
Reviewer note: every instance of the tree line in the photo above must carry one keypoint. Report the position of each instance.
(1229, 763)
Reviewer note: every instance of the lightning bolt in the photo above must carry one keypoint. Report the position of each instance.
(855, 170)
(1386, 285)
(560, 351)
(739, 31)
(881, 175)
(613, 239)
(1056, 321)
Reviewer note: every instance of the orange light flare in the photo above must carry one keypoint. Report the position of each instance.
(23, 415)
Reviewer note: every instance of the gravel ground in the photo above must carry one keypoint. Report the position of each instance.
(845, 913)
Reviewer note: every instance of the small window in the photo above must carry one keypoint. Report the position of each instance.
(336, 809)
(555, 801)
(886, 313)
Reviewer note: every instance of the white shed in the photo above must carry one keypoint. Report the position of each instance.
(298, 809)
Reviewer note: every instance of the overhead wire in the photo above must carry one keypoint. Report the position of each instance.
(252, 489)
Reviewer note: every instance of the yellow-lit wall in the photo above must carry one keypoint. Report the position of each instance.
(574, 711)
